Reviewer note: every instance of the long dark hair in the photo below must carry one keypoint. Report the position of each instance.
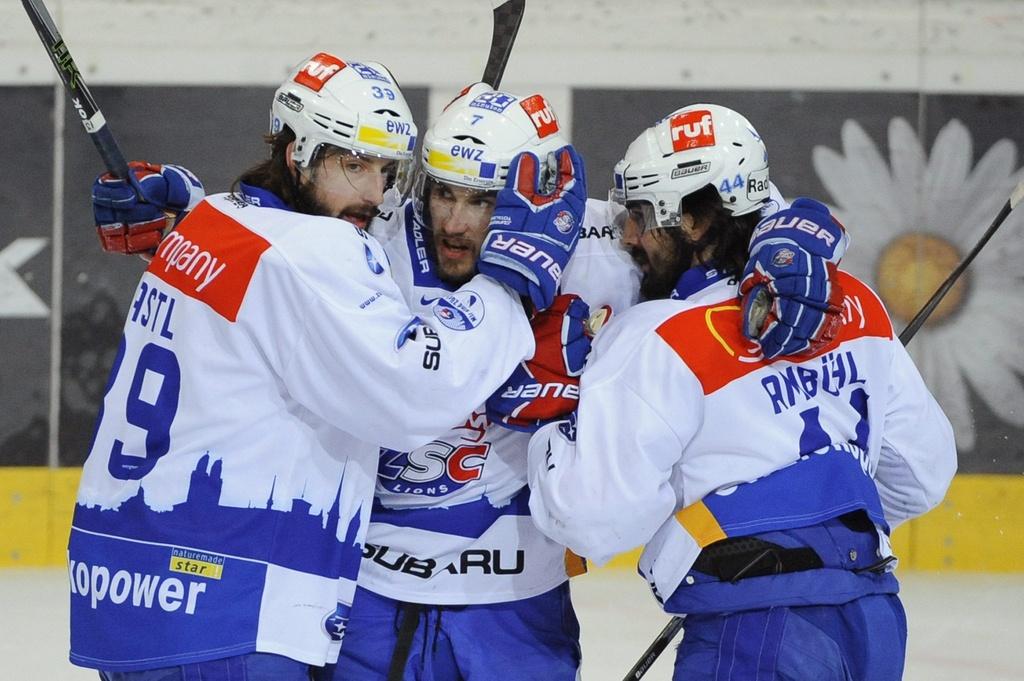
(728, 236)
(274, 175)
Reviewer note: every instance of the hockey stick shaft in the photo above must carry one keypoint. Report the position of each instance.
(922, 315)
(655, 649)
(507, 17)
(85, 106)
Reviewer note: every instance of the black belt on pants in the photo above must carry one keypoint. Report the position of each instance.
(736, 558)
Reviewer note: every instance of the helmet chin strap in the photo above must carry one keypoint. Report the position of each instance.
(298, 176)
(304, 174)
(294, 175)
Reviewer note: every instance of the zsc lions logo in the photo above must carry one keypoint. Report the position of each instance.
(564, 222)
(460, 311)
(367, 72)
(783, 258)
(371, 261)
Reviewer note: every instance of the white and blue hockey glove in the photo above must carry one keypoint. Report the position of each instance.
(128, 225)
(546, 387)
(792, 302)
(535, 224)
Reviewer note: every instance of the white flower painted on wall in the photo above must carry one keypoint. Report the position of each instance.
(911, 220)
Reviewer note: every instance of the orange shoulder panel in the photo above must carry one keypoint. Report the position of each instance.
(709, 341)
(210, 257)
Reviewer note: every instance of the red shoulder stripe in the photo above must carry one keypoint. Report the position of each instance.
(210, 257)
(709, 341)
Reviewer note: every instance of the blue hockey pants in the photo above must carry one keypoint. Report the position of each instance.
(863, 640)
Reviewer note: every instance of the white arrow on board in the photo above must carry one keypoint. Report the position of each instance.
(16, 298)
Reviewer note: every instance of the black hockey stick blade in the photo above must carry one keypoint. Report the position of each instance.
(655, 649)
(85, 106)
(507, 17)
(922, 316)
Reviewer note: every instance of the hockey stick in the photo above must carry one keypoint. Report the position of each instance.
(922, 315)
(92, 118)
(655, 649)
(507, 17)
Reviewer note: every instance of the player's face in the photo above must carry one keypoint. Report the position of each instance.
(459, 218)
(350, 185)
(659, 253)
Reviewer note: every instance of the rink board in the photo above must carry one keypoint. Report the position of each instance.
(979, 527)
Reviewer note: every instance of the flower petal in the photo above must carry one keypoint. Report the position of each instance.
(943, 378)
(999, 388)
(984, 193)
(947, 169)
(908, 164)
(858, 180)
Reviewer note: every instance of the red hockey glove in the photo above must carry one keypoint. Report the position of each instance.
(128, 225)
(546, 387)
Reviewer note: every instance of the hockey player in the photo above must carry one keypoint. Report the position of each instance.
(451, 549)
(788, 577)
(267, 355)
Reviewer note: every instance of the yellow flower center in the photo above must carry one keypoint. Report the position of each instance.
(911, 267)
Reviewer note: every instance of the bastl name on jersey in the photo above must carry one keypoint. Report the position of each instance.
(153, 308)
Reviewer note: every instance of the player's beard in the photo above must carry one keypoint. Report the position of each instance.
(662, 269)
(306, 201)
(453, 272)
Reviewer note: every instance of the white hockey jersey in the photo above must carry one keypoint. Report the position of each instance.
(266, 357)
(451, 521)
(676, 404)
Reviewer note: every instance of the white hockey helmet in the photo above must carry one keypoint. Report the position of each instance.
(691, 148)
(473, 141)
(353, 105)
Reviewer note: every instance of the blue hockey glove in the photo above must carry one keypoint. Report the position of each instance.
(792, 302)
(128, 225)
(533, 232)
(546, 387)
